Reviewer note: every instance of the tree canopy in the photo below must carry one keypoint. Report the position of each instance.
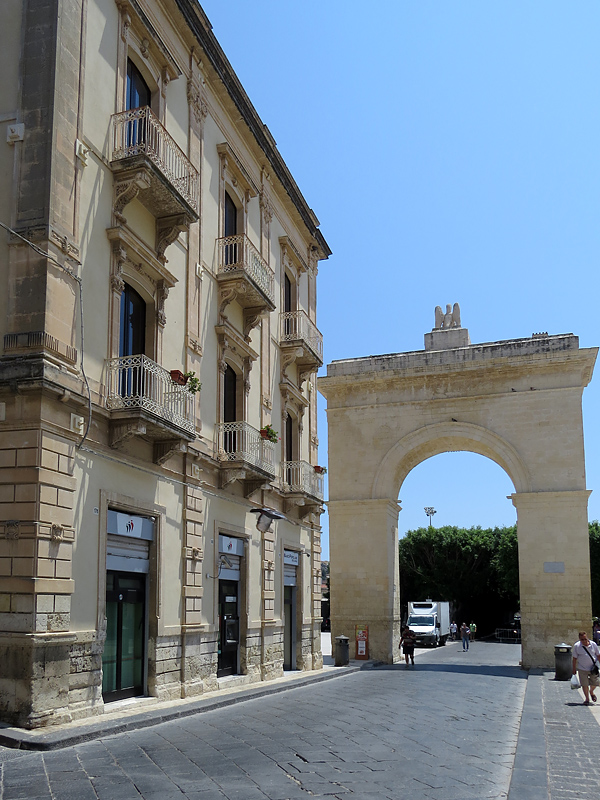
(476, 569)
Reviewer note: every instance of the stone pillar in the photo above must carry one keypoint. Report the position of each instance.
(364, 579)
(554, 571)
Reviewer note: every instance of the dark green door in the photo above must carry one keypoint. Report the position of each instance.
(289, 638)
(124, 649)
(229, 628)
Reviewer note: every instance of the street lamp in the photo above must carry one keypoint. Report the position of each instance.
(265, 517)
(430, 511)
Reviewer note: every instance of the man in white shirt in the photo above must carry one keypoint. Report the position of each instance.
(585, 659)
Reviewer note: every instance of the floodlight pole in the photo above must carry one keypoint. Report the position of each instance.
(430, 511)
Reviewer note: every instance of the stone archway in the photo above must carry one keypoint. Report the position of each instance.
(517, 402)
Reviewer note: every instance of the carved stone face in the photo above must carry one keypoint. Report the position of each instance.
(448, 308)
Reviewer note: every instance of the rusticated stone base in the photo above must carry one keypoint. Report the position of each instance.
(34, 686)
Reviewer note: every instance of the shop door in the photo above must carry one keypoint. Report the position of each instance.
(229, 628)
(124, 651)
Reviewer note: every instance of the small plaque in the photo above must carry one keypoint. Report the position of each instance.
(554, 566)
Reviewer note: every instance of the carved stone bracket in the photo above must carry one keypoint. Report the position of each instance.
(167, 231)
(164, 450)
(230, 475)
(162, 292)
(57, 533)
(289, 356)
(252, 318)
(127, 190)
(252, 486)
(122, 432)
(12, 529)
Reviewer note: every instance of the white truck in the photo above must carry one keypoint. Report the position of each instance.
(430, 621)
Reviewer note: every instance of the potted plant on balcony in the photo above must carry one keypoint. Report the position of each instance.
(268, 433)
(178, 377)
(192, 382)
(321, 470)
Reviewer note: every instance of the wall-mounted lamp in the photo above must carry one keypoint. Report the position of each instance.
(265, 518)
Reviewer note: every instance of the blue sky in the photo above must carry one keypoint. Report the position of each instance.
(451, 153)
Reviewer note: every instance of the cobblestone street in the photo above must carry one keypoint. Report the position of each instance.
(443, 730)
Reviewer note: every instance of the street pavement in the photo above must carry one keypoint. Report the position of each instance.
(454, 727)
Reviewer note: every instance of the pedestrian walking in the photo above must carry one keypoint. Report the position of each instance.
(407, 643)
(453, 630)
(464, 632)
(472, 631)
(596, 633)
(585, 663)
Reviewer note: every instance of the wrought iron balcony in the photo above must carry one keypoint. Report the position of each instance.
(299, 334)
(300, 477)
(244, 275)
(161, 174)
(238, 443)
(144, 402)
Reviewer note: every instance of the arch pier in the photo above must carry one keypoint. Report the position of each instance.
(517, 402)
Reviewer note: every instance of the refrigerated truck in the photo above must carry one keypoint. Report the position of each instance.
(430, 621)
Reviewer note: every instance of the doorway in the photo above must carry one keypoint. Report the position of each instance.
(289, 630)
(229, 628)
(124, 653)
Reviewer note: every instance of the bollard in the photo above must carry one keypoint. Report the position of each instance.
(563, 662)
(342, 651)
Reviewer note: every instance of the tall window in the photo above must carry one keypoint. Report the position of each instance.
(230, 437)
(230, 396)
(138, 93)
(230, 229)
(132, 342)
(289, 438)
(138, 96)
(132, 339)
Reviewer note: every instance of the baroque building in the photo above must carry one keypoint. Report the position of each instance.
(157, 377)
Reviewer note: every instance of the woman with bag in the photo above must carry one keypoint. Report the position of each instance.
(587, 666)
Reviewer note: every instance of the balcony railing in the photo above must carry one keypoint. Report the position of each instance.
(237, 253)
(137, 382)
(296, 326)
(300, 476)
(138, 132)
(238, 441)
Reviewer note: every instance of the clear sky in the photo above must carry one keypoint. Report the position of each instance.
(451, 153)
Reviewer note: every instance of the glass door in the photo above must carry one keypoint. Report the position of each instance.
(229, 628)
(289, 638)
(124, 650)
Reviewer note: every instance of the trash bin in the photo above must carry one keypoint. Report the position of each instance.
(342, 651)
(563, 662)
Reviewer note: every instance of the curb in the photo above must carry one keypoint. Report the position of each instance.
(21, 739)
(529, 779)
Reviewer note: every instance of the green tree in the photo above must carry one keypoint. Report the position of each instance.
(476, 569)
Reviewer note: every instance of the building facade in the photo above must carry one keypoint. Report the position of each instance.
(157, 379)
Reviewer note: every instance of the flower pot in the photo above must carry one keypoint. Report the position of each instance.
(178, 377)
(264, 434)
(320, 470)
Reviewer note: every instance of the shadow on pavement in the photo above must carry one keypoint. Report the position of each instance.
(467, 669)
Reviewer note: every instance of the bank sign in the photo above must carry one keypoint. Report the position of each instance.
(130, 525)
